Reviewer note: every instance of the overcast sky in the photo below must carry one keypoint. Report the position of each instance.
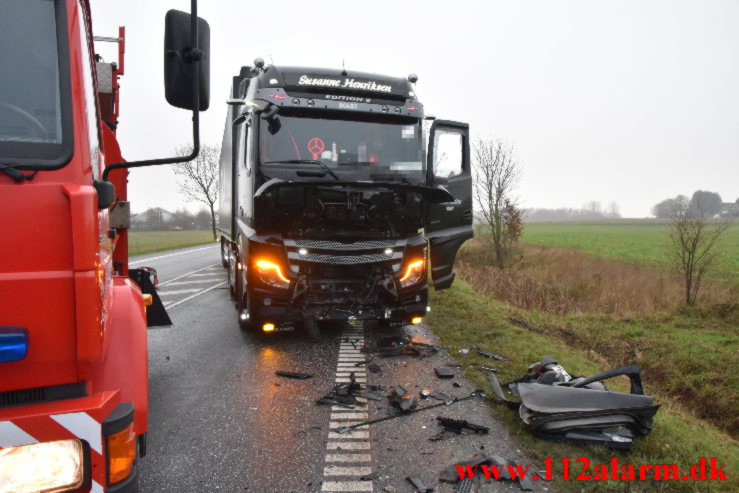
(625, 101)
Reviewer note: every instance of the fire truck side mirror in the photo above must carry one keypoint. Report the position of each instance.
(106, 193)
(179, 58)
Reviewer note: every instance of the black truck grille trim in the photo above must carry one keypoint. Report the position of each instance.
(337, 245)
(42, 394)
(344, 259)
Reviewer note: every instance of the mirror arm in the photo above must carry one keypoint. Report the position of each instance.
(196, 56)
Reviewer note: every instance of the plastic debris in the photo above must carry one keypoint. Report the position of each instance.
(418, 484)
(402, 399)
(293, 374)
(488, 354)
(457, 425)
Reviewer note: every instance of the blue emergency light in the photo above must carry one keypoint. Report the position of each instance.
(13, 344)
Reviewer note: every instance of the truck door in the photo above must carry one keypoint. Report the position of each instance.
(448, 225)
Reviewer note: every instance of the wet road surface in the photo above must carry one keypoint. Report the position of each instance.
(221, 420)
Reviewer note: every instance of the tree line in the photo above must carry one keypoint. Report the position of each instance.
(703, 203)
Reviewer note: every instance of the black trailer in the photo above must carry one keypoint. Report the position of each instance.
(328, 208)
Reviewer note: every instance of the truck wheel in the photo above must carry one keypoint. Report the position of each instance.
(311, 328)
(224, 259)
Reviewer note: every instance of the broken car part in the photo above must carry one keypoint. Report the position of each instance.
(556, 406)
(488, 354)
(476, 393)
(457, 425)
(418, 484)
(293, 374)
(402, 399)
(443, 372)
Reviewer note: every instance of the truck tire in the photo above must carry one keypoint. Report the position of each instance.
(311, 328)
(224, 260)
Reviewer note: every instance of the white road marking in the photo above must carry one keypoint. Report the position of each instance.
(178, 291)
(348, 458)
(350, 361)
(207, 274)
(172, 305)
(347, 486)
(143, 261)
(346, 471)
(341, 424)
(188, 274)
(348, 445)
(349, 435)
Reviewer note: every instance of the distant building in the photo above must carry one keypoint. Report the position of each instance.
(154, 218)
(729, 210)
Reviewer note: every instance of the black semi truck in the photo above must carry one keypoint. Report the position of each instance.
(331, 208)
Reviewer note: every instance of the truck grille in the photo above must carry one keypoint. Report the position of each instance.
(336, 245)
(344, 259)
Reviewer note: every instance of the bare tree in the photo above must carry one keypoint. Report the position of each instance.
(613, 210)
(198, 179)
(693, 239)
(497, 175)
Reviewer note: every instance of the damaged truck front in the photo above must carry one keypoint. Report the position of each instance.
(328, 208)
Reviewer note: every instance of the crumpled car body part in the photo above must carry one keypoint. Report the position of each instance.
(556, 406)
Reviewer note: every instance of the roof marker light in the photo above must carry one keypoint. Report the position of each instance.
(13, 344)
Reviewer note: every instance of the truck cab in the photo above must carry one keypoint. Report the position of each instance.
(332, 207)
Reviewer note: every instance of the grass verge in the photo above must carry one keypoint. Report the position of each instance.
(142, 242)
(461, 316)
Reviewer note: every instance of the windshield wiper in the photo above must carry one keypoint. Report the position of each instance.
(323, 165)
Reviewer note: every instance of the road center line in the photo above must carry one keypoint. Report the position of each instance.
(353, 445)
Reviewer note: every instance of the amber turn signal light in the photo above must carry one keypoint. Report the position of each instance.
(121, 454)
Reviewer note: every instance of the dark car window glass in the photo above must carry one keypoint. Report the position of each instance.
(364, 148)
(32, 110)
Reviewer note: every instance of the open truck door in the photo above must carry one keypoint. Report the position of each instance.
(449, 224)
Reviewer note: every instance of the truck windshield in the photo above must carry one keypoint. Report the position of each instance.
(33, 115)
(371, 149)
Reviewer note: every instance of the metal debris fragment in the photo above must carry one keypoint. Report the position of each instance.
(294, 374)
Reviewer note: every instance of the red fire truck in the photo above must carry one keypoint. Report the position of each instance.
(73, 345)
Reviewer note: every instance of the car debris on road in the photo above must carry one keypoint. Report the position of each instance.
(557, 406)
(293, 374)
(400, 346)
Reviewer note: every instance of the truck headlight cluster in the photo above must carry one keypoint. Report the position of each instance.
(49, 466)
(271, 273)
(413, 273)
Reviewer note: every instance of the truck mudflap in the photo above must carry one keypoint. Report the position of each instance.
(81, 419)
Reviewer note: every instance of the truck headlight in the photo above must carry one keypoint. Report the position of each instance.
(271, 273)
(48, 467)
(413, 273)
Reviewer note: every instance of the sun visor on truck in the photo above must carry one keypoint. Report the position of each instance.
(435, 195)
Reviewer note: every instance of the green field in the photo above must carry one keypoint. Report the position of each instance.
(644, 242)
(141, 242)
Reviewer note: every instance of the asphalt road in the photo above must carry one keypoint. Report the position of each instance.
(221, 420)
